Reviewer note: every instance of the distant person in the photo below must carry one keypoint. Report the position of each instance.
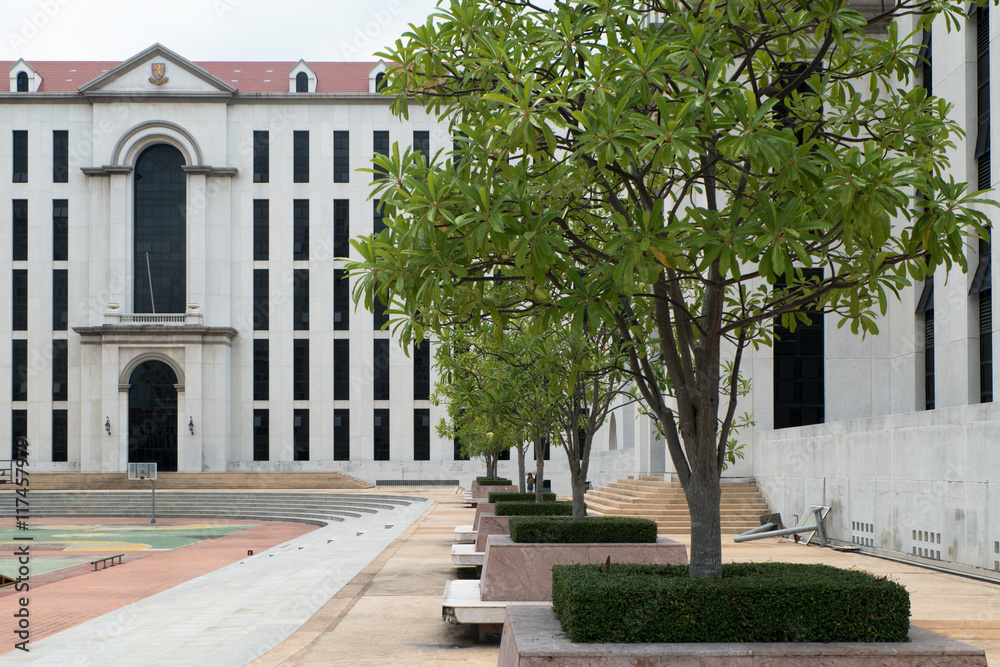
(531, 482)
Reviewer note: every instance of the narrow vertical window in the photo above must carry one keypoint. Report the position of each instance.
(341, 300)
(60, 299)
(380, 362)
(19, 318)
(261, 229)
(261, 304)
(986, 346)
(261, 156)
(422, 370)
(60, 369)
(22, 82)
(300, 300)
(341, 227)
(459, 456)
(799, 371)
(18, 429)
(60, 229)
(421, 434)
(341, 434)
(300, 231)
(422, 143)
(300, 369)
(925, 307)
(261, 369)
(380, 141)
(19, 366)
(341, 156)
(457, 148)
(341, 369)
(300, 156)
(60, 435)
(60, 156)
(19, 222)
(380, 316)
(378, 221)
(300, 435)
(302, 82)
(261, 434)
(983, 96)
(927, 66)
(381, 452)
(20, 152)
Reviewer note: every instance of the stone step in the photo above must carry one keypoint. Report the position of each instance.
(198, 480)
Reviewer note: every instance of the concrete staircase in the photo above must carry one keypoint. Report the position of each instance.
(664, 502)
(214, 481)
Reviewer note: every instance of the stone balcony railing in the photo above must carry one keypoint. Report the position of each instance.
(159, 319)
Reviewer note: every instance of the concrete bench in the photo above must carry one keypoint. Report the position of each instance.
(465, 535)
(466, 554)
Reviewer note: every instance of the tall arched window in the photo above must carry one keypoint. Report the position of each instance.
(22, 82)
(160, 261)
(302, 82)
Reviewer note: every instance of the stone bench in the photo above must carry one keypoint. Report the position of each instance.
(532, 637)
(466, 554)
(465, 535)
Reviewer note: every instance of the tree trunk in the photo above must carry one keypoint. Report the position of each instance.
(520, 469)
(539, 467)
(579, 488)
(703, 495)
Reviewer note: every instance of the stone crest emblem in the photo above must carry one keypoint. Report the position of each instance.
(159, 74)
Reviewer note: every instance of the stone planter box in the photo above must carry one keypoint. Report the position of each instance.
(491, 524)
(523, 571)
(480, 508)
(532, 637)
(483, 492)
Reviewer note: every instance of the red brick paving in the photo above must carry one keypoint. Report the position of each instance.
(62, 599)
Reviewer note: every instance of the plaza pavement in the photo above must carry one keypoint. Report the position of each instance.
(375, 599)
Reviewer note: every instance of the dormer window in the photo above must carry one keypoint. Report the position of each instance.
(302, 82)
(22, 82)
(379, 82)
(302, 78)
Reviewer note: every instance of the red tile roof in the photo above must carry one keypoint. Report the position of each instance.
(65, 76)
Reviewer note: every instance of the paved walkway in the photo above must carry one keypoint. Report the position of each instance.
(376, 600)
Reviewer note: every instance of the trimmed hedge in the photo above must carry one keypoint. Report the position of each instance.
(502, 496)
(496, 481)
(751, 602)
(531, 508)
(593, 529)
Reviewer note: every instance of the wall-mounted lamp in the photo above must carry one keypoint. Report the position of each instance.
(107, 425)
(191, 425)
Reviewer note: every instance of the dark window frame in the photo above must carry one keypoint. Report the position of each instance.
(19, 300)
(421, 434)
(381, 359)
(341, 434)
(60, 156)
(381, 443)
(300, 156)
(22, 82)
(380, 146)
(60, 229)
(261, 229)
(422, 370)
(19, 153)
(300, 369)
(261, 369)
(60, 435)
(261, 434)
(799, 360)
(300, 299)
(300, 229)
(261, 300)
(60, 299)
(261, 156)
(19, 370)
(302, 82)
(60, 369)
(341, 156)
(341, 300)
(300, 434)
(341, 227)
(341, 369)
(19, 229)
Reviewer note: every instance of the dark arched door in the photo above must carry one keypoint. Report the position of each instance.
(152, 416)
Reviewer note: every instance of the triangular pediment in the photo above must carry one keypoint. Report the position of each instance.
(158, 71)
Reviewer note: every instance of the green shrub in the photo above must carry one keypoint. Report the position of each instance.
(501, 496)
(531, 508)
(751, 602)
(601, 529)
(496, 481)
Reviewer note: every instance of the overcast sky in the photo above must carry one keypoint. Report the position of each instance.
(318, 30)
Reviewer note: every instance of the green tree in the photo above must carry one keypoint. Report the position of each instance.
(671, 175)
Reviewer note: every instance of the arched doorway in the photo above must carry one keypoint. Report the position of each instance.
(160, 258)
(152, 416)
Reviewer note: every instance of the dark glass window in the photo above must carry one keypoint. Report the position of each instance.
(983, 96)
(261, 300)
(381, 146)
(261, 229)
(381, 435)
(927, 53)
(986, 346)
(19, 221)
(18, 429)
(379, 81)
(261, 156)
(60, 435)
(341, 369)
(261, 433)
(341, 156)
(378, 221)
(60, 299)
(300, 435)
(300, 156)
(929, 360)
(300, 369)
(160, 231)
(381, 317)
(19, 318)
(422, 143)
(341, 434)
(300, 300)
(261, 369)
(60, 229)
(380, 361)
(421, 434)
(300, 232)
(302, 82)
(458, 450)
(799, 375)
(60, 369)
(341, 227)
(20, 165)
(19, 365)
(457, 148)
(341, 300)
(422, 371)
(60, 156)
(22, 82)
